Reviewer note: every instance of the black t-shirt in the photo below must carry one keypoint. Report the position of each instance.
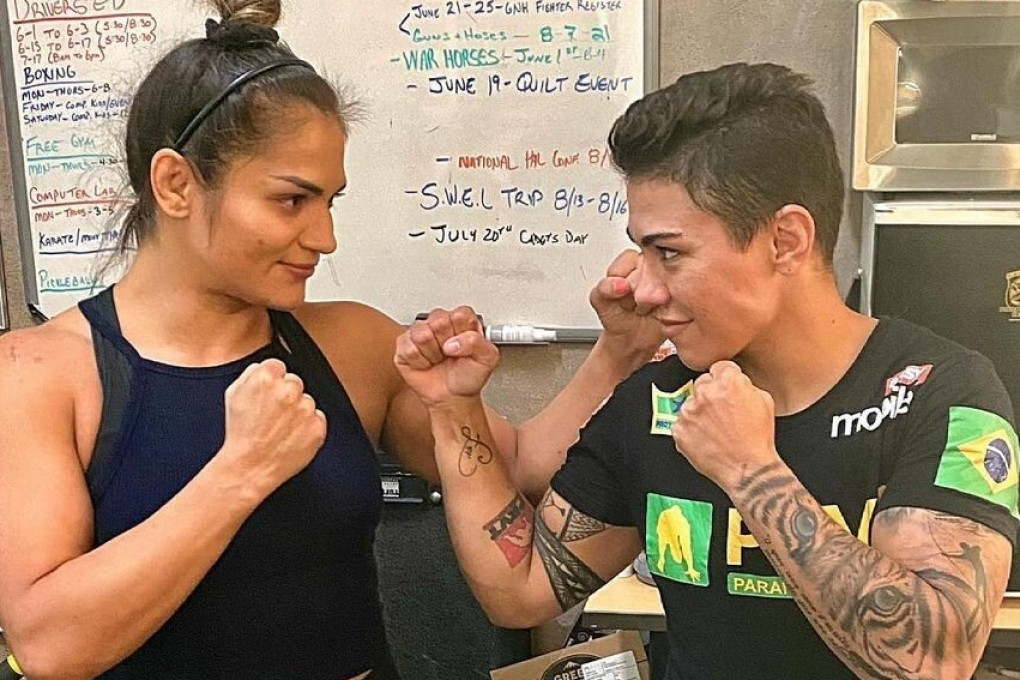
(917, 421)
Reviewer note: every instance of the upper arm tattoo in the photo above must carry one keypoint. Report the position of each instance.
(576, 525)
(572, 580)
(899, 615)
(958, 567)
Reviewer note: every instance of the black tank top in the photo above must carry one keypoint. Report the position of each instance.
(295, 593)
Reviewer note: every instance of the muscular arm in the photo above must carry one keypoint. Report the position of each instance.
(524, 565)
(359, 343)
(542, 441)
(917, 604)
(629, 339)
(535, 449)
(70, 609)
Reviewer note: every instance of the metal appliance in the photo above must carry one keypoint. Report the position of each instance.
(936, 155)
(937, 103)
(952, 264)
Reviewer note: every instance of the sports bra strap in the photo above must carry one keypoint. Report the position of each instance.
(296, 340)
(114, 359)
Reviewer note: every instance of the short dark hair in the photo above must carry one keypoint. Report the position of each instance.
(743, 140)
(193, 74)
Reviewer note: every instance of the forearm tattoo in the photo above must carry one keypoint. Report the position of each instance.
(882, 619)
(473, 453)
(511, 530)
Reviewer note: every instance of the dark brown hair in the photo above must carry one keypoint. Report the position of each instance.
(193, 74)
(743, 140)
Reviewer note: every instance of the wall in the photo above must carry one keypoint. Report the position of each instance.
(815, 37)
(812, 36)
(14, 290)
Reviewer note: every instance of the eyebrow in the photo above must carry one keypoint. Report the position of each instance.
(306, 185)
(652, 239)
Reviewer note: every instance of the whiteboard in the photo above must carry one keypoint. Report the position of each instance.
(479, 175)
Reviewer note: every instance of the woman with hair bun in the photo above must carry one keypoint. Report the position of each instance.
(188, 482)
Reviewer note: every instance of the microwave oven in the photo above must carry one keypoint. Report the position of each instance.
(937, 96)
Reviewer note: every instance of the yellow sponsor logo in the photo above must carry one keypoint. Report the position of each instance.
(678, 536)
(737, 540)
(757, 586)
(675, 539)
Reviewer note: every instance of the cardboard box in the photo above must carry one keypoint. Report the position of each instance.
(613, 657)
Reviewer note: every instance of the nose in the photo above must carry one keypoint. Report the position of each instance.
(319, 236)
(649, 289)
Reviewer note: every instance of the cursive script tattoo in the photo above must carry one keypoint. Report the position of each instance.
(475, 452)
(511, 530)
(908, 618)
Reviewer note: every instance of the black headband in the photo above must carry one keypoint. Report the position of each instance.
(234, 86)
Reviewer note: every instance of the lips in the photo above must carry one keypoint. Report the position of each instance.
(305, 270)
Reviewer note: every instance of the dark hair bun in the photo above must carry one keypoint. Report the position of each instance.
(257, 12)
(233, 34)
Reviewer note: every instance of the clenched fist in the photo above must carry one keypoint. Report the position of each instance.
(726, 428)
(446, 358)
(273, 428)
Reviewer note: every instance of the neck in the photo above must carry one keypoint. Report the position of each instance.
(169, 314)
(804, 354)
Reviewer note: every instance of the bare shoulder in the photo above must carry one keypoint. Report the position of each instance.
(49, 387)
(359, 342)
(60, 348)
(50, 406)
(335, 322)
(351, 334)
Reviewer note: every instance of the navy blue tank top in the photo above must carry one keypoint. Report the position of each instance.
(295, 593)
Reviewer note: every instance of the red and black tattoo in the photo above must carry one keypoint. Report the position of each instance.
(511, 530)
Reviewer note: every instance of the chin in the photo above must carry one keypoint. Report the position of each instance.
(286, 304)
(695, 364)
(285, 300)
(697, 361)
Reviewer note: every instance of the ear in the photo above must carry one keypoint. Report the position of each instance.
(174, 183)
(793, 238)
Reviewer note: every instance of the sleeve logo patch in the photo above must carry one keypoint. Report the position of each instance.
(980, 458)
(666, 406)
(908, 377)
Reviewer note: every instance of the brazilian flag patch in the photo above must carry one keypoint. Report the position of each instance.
(666, 406)
(981, 457)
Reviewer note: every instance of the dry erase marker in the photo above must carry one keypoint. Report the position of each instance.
(521, 334)
(516, 334)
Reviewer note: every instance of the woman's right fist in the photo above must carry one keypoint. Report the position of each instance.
(273, 428)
